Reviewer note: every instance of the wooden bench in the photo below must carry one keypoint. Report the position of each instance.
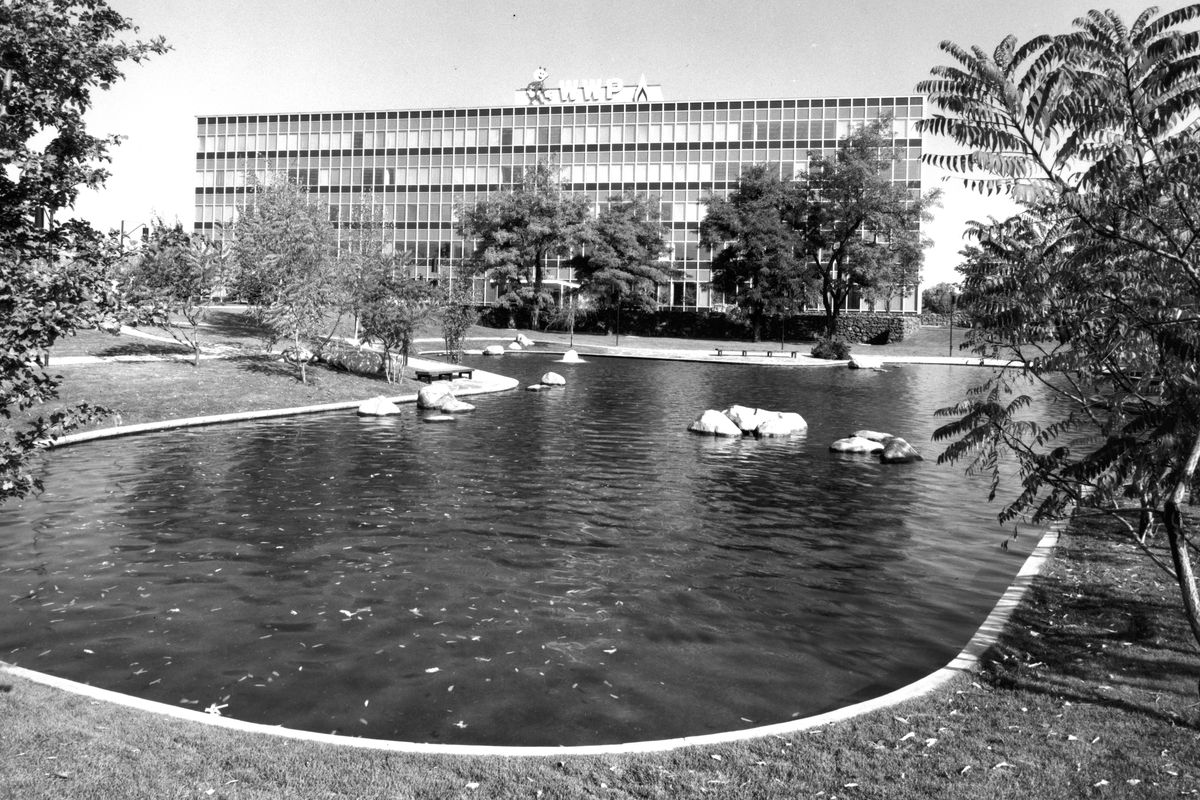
(443, 374)
(746, 353)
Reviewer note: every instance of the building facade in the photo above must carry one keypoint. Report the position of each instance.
(410, 168)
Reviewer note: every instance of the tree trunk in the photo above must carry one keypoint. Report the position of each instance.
(1185, 574)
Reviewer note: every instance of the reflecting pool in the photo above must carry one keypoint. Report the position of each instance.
(562, 567)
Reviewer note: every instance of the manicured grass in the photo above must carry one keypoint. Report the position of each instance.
(1092, 692)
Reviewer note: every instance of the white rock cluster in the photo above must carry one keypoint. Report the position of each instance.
(377, 407)
(745, 421)
(438, 395)
(549, 381)
(891, 449)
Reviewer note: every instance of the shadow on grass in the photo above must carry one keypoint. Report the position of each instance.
(1083, 637)
(236, 324)
(144, 348)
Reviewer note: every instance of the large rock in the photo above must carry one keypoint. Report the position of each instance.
(859, 361)
(455, 406)
(434, 395)
(898, 451)
(747, 419)
(571, 357)
(554, 379)
(493, 350)
(874, 436)
(715, 423)
(514, 346)
(523, 340)
(781, 423)
(377, 407)
(856, 444)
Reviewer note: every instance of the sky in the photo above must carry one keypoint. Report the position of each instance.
(267, 56)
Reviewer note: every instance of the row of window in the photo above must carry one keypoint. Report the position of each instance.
(368, 160)
(645, 133)
(829, 108)
(634, 175)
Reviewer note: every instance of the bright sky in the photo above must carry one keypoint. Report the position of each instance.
(263, 56)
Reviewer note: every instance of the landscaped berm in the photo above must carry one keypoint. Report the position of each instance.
(1091, 691)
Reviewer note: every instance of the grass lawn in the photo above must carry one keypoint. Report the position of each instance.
(1092, 692)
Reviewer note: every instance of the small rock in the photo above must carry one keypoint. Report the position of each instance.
(439, 418)
(537, 387)
(523, 340)
(377, 407)
(455, 406)
(571, 357)
(859, 361)
(434, 395)
(493, 350)
(715, 423)
(856, 444)
(874, 436)
(514, 346)
(747, 419)
(554, 379)
(781, 423)
(898, 451)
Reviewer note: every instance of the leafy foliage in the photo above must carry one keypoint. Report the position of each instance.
(392, 306)
(757, 249)
(1095, 287)
(620, 265)
(172, 279)
(937, 298)
(516, 232)
(54, 276)
(457, 314)
(831, 349)
(858, 228)
(283, 249)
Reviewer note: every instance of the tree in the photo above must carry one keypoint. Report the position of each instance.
(858, 228)
(283, 249)
(1095, 287)
(172, 281)
(936, 299)
(392, 307)
(757, 249)
(458, 313)
(516, 232)
(622, 250)
(54, 274)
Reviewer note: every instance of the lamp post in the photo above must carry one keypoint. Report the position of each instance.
(953, 298)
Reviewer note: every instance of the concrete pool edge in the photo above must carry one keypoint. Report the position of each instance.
(485, 383)
(985, 636)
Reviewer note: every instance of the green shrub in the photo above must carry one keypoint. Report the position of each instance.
(832, 349)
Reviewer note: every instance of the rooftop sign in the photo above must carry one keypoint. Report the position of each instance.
(539, 91)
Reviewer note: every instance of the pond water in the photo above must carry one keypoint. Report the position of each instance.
(564, 567)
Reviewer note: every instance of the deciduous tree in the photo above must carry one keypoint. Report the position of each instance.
(757, 248)
(54, 273)
(515, 234)
(620, 264)
(859, 229)
(393, 304)
(1095, 287)
(171, 281)
(283, 249)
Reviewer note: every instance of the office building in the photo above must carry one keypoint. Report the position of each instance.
(608, 136)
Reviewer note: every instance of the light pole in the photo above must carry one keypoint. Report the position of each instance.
(953, 298)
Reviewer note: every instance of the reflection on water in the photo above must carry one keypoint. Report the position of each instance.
(562, 567)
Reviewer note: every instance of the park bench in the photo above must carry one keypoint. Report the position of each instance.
(443, 373)
(768, 353)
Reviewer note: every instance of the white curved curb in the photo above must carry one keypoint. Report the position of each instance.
(985, 636)
(492, 381)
